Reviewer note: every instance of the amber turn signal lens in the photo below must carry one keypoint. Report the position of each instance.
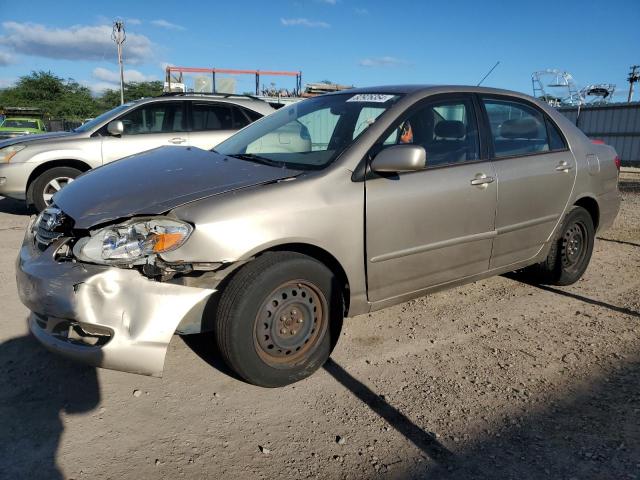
(165, 241)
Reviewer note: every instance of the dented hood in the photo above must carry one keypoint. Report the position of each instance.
(156, 181)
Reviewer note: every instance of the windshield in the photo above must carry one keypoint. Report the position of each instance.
(91, 124)
(310, 134)
(16, 123)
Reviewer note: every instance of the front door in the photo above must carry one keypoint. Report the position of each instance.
(149, 126)
(536, 173)
(433, 226)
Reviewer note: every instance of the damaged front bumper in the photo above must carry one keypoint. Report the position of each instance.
(105, 316)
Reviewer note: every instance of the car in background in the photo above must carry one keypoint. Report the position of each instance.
(335, 206)
(15, 126)
(34, 168)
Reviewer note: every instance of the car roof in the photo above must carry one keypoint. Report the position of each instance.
(20, 118)
(249, 102)
(428, 89)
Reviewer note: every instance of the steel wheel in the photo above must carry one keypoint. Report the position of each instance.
(276, 317)
(570, 252)
(54, 185)
(574, 245)
(289, 323)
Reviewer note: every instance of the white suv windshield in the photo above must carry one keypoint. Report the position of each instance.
(310, 134)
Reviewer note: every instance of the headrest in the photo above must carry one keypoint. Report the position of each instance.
(450, 129)
(520, 128)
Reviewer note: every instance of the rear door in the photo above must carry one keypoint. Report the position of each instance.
(536, 173)
(213, 122)
(148, 126)
(436, 225)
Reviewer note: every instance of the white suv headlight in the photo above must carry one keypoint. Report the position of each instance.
(7, 153)
(133, 240)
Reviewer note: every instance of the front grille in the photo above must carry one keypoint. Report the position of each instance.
(52, 225)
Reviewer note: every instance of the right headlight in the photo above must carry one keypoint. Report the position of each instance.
(133, 241)
(7, 153)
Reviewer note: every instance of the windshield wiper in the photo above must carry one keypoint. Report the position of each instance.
(258, 159)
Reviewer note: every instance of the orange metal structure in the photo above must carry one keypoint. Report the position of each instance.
(213, 71)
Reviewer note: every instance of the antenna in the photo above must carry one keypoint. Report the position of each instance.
(488, 73)
(119, 36)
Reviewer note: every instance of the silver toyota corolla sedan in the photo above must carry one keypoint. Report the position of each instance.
(335, 206)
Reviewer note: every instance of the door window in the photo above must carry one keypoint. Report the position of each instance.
(253, 116)
(447, 130)
(211, 116)
(160, 117)
(516, 128)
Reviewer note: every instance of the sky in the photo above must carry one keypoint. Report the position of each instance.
(353, 42)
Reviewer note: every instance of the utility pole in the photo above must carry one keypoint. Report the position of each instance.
(634, 76)
(119, 36)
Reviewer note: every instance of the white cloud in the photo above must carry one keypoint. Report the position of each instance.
(303, 22)
(361, 11)
(328, 2)
(5, 59)
(166, 24)
(113, 76)
(79, 42)
(7, 82)
(133, 21)
(99, 87)
(382, 62)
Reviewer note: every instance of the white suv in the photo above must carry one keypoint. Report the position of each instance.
(35, 167)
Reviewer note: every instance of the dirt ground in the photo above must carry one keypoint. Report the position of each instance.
(497, 379)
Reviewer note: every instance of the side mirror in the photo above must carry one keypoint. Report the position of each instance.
(400, 158)
(115, 128)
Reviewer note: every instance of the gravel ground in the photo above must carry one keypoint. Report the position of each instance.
(497, 379)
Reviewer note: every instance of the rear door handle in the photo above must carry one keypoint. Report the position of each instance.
(177, 140)
(564, 166)
(482, 180)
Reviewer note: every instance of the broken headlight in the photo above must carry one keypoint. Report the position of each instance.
(133, 240)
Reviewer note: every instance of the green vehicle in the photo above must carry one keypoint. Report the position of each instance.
(16, 126)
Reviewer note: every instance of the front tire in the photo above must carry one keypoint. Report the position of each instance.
(49, 182)
(276, 316)
(571, 252)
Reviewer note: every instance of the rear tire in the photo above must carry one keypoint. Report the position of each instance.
(570, 254)
(275, 318)
(49, 182)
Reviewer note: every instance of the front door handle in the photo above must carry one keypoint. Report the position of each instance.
(564, 166)
(177, 140)
(481, 180)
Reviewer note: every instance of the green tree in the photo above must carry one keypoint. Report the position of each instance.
(56, 97)
(67, 99)
(132, 91)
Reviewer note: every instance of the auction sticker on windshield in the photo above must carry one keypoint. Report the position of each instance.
(371, 97)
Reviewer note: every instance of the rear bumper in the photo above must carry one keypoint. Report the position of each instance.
(103, 316)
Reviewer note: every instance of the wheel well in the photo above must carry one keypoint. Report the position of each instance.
(325, 258)
(78, 164)
(591, 206)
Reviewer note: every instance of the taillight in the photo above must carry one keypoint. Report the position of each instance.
(597, 141)
(617, 161)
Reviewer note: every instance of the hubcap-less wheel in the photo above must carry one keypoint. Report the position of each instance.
(289, 323)
(55, 185)
(574, 245)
